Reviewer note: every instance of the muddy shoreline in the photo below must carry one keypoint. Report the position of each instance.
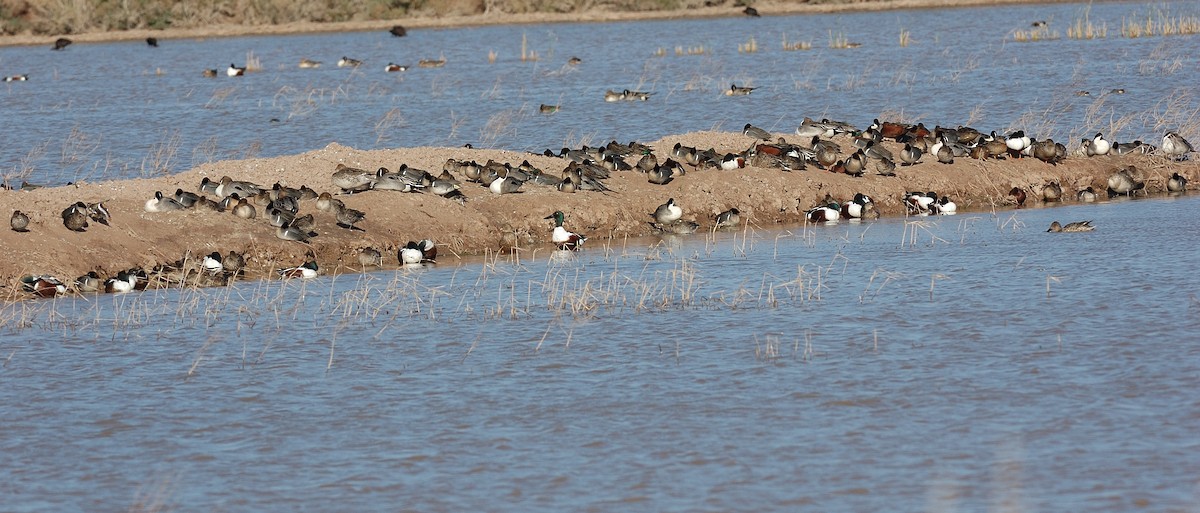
(433, 21)
(765, 196)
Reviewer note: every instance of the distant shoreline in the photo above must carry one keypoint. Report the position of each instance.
(770, 8)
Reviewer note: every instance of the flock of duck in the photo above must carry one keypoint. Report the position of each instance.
(855, 152)
(587, 169)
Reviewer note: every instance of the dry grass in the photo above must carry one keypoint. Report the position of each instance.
(797, 45)
(691, 50)
(1034, 35)
(905, 38)
(750, 46)
(1160, 22)
(527, 55)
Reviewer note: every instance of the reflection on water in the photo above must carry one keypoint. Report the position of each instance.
(108, 110)
(958, 363)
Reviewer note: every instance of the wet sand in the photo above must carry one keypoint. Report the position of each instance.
(765, 8)
(765, 196)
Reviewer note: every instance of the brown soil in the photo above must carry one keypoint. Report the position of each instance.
(764, 196)
(765, 8)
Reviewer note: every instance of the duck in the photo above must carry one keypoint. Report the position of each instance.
(19, 221)
(562, 238)
(61, 43)
(75, 218)
(346, 62)
(1098, 145)
(506, 185)
(756, 133)
(668, 212)
(346, 217)
(728, 219)
(398, 31)
(89, 282)
(417, 253)
(1018, 195)
(1176, 183)
(732, 161)
(1122, 182)
(548, 109)
(920, 203)
(735, 90)
(98, 213)
(124, 281)
(431, 63)
(1087, 195)
(243, 189)
(160, 203)
(1175, 146)
(827, 213)
(1077, 226)
(212, 263)
(244, 209)
(291, 233)
(945, 206)
(428, 250)
(16, 78)
(209, 72)
(910, 155)
(635, 95)
(43, 285)
(1017, 142)
(1051, 192)
(393, 67)
(306, 270)
(611, 96)
(234, 262)
(370, 257)
(234, 71)
(309, 64)
(402, 182)
(351, 179)
(679, 227)
(860, 207)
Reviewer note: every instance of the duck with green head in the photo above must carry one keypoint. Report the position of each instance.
(561, 237)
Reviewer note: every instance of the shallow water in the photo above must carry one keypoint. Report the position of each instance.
(116, 110)
(969, 363)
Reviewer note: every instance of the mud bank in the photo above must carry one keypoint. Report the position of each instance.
(765, 197)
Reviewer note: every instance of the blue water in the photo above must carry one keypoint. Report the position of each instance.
(971, 363)
(100, 111)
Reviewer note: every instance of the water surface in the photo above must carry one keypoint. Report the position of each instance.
(969, 363)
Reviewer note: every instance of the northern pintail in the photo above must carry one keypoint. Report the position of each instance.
(289, 233)
(1077, 226)
(19, 221)
(75, 217)
(1123, 182)
(346, 62)
(346, 217)
(1175, 146)
(667, 212)
(1176, 183)
(89, 282)
(309, 64)
(756, 132)
(1051, 192)
(1097, 145)
(731, 218)
(735, 90)
(352, 179)
(160, 203)
(563, 238)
